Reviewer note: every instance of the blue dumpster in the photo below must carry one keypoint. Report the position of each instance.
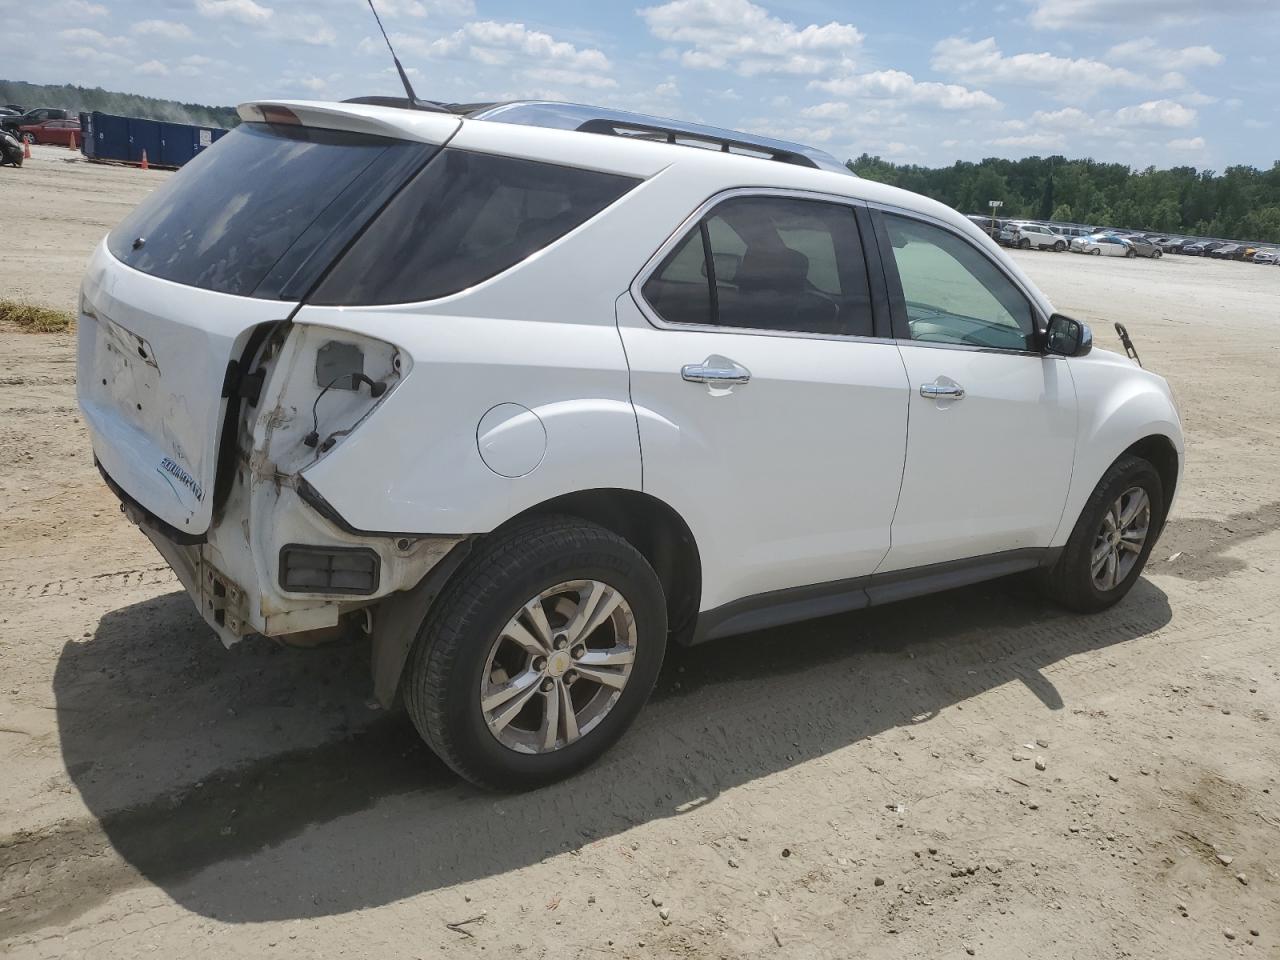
(109, 137)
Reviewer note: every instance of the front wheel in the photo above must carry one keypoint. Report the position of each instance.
(1059, 247)
(1112, 539)
(1095, 252)
(1130, 254)
(539, 654)
(1024, 244)
(1158, 254)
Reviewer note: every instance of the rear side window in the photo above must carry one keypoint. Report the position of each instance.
(231, 214)
(465, 218)
(768, 263)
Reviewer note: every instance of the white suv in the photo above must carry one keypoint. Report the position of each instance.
(531, 393)
(1039, 236)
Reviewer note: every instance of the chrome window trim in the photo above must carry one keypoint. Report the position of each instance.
(1038, 315)
(973, 348)
(651, 265)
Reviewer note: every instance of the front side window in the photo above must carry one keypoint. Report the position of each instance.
(953, 293)
(768, 263)
(465, 218)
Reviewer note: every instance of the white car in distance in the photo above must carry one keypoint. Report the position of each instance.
(1102, 245)
(1039, 237)
(530, 394)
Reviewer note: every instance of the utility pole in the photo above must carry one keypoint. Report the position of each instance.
(994, 205)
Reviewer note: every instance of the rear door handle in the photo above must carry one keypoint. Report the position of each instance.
(716, 370)
(942, 391)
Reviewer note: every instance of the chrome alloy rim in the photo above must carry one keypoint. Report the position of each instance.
(1120, 539)
(558, 667)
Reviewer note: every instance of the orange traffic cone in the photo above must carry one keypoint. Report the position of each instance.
(26, 149)
(144, 160)
(72, 142)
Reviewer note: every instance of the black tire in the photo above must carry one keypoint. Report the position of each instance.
(1024, 244)
(1130, 253)
(1096, 252)
(1070, 581)
(1158, 254)
(29, 137)
(444, 672)
(1059, 246)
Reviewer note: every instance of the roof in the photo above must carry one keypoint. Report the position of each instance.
(577, 116)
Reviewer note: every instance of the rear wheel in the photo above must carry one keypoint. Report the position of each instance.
(1158, 254)
(1024, 243)
(539, 654)
(1112, 539)
(1096, 252)
(1130, 253)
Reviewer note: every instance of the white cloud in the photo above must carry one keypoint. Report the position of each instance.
(1189, 144)
(390, 9)
(981, 61)
(498, 44)
(245, 11)
(1032, 141)
(309, 28)
(152, 68)
(1093, 14)
(1147, 52)
(741, 36)
(579, 78)
(167, 29)
(77, 9)
(900, 87)
(1156, 113)
(84, 35)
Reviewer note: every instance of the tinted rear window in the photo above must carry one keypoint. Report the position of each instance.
(464, 218)
(233, 212)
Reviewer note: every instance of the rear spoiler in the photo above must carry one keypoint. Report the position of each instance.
(374, 120)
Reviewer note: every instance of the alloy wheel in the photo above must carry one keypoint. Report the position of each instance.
(1120, 538)
(558, 667)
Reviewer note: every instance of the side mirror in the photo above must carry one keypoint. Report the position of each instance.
(1066, 337)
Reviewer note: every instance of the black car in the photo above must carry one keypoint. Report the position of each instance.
(38, 115)
(1226, 251)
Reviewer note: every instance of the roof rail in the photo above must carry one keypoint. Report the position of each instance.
(622, 123)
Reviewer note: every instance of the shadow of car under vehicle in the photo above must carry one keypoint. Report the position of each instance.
(168, 739)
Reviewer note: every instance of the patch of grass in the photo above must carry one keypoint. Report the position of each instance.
(34, 319)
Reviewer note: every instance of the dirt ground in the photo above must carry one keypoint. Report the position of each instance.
(861, 786)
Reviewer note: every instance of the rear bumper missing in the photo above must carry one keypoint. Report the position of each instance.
(236, 576)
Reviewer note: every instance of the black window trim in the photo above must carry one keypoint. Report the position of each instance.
(898, 303)
(879, 308)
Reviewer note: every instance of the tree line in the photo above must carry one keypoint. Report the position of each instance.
(76, 99)
(1241, 203)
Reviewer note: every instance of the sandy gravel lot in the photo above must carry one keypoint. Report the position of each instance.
(850, 787)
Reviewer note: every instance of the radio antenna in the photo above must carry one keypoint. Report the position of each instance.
(414, 102)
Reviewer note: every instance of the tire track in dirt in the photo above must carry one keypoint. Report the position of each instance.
(86, 586)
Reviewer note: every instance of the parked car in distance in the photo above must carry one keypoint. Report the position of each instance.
(31, 117)
(1102, 245)
(654, 373)
(1266, 256)
(1226, 251)
(1173, 244)
(1199, 248)
(1144, 248)
(1040, 237)
(57, 132)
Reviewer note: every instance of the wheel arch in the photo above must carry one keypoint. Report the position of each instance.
(654, 528)
(1158, 450)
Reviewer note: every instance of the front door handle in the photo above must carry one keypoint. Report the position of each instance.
(942, 391)
(716, 370)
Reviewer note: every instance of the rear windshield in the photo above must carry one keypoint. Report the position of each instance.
(234, 212)
(466, 217)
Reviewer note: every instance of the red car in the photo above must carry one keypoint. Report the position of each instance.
(52, 131)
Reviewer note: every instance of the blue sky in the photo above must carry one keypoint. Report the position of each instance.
(1146, 83)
